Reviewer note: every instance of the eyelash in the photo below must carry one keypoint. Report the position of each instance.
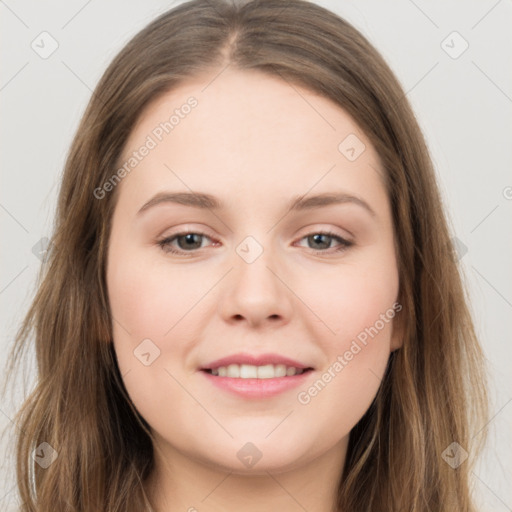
(166, 247)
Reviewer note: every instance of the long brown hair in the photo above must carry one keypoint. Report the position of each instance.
(433, 393)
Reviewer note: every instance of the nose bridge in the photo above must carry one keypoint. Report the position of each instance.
(255, 291)
(254, 258)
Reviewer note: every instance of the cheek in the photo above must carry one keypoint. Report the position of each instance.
(358, 304)
(349, 299)
(148, 299)
(148, 304)
(355, 362)
(152, 300)
(343, 391)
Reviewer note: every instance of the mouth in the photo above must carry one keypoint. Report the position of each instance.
(262, 372)
(251, 377)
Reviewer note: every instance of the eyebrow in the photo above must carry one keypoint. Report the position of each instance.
(298, 203)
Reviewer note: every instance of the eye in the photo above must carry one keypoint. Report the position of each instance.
(189, 242)
(322, 240)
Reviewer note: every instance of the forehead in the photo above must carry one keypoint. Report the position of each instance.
(248, 131)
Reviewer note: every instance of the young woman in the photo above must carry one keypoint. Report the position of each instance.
(251, 300)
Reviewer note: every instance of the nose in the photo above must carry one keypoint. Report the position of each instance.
(257, 293)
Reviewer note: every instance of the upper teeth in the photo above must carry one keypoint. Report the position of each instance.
(249, 371)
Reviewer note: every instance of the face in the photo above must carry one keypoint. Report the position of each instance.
(288, 263)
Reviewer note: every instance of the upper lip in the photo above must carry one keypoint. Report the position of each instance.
(255, 360)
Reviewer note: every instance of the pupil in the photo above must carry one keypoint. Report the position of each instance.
(316, 237)
(189, 237)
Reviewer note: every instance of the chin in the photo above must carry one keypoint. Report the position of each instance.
(257, 455)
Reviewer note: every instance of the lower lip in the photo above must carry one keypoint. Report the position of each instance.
(257, 388)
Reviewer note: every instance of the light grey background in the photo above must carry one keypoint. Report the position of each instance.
(463, 104)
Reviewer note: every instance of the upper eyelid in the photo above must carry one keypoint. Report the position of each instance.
(326, 231)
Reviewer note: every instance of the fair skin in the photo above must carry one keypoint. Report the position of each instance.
(254, 142)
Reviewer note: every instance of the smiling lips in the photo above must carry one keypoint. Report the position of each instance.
(249, 371)
(255, 376)
(263, 366)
